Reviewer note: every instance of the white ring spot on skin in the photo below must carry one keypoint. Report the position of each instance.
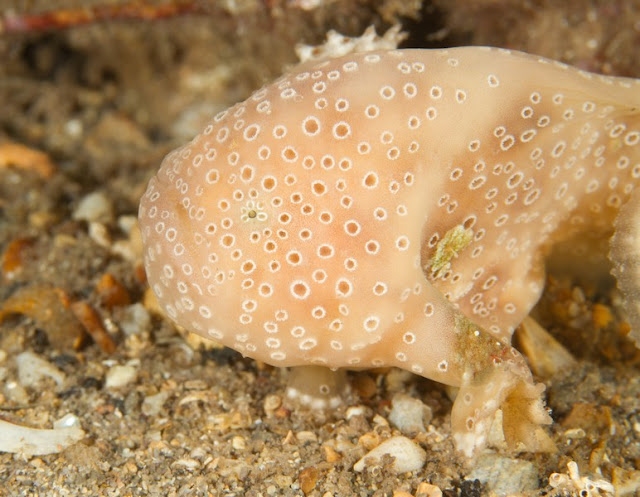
(371, 324)
(325, 251)
(370, 180)
(318, 312)
(409, 338)
(311, 126)
(298, 332)
(372, 247)
(352, 227)
(299, 290)
(380, 288)
(341, 130)
(344, 288)
(402, 243)
(372, 111)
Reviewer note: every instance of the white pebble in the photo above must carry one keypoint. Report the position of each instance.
(16, 393)
(408, 455)
(505, 476)
(32, 369)
(135, 320)
(67, 421)
(238, 443)
(127, 224)
(409, 415)
(187, 464)
(152, 404)
(94, 207)
(353, 411)
(306, 436)
(119, 376)
(74, 128)
(99, 233)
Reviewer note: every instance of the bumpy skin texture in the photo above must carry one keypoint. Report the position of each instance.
(393, 209)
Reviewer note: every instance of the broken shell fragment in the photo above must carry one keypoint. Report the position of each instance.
(407, 455)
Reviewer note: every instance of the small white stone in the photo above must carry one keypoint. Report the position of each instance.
(127, 224)
(186, 463)
(152, 404)
(505, 476)
(408, 455)
(306, 436)
(16, 393)
(67, 421)
(409, 415)
(32, 369)
(238, 443)
(94, 207)
(74, 128)
(119, 376)
(135, 320)
(99, 233)
(353, 411)
(380, 420)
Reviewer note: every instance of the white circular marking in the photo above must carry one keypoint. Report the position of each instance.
(299, 290)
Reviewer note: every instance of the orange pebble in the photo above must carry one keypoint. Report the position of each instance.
(22, 157)
(91, 321)
(111, 292)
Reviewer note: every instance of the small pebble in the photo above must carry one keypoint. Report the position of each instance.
(199, 453)
(152, 404)
(306, 436)
(187, 464)
(401, 493)
(409, 415)
(119, 376)
(32, 369)
(15, 393)
(355, 411)
(380, 420)
(135, 320)
(67, 421)
(271, 403)
(364, 385)
(238, 443)
(94, 207)
(369, 440)
(111, 292)
(408, 455)
(195, 385)
(330, 455)
(99, 233)
(131, 247)
(428, 490)
(505, 476)
(575, 433)
(74, 128)
(308, 478)
(128, 224)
